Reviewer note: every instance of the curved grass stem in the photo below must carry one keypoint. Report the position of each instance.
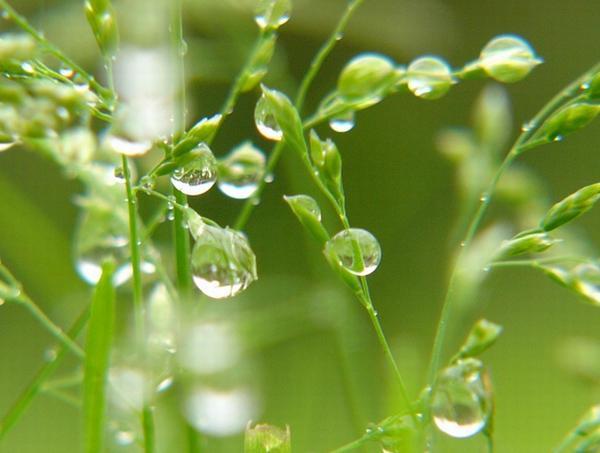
(523, 143)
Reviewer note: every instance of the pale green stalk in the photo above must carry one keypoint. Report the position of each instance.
(520, 145)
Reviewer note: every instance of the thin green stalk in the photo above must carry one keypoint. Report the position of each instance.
(520, 145)
(35, 386)
(21, 298)
(314, 68)
(352, 445)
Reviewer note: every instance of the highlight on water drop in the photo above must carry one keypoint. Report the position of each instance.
(429, 77)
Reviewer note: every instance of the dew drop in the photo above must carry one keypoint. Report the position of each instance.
(558, 138)
(429, 77)
(165, 384)
(199, 175)
(356, 250)
(126, 146)
(584, 86)
(67, 72)
(528, 126)
(27, 67)
(484, 197)
(342, 123)
(124, 438)
(508, 58)
(265, 121)
(272, 13)
(461, 401)
(223, 264)
(241, 171)
(269, 178)
(119, 174)
(170, 215)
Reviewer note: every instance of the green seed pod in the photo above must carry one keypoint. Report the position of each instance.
(583, 279)
(317, 153)
(17, 47)
(571, 207)
(101, 17)
(202, 131)
(366, 78)
(332, 166)
(259, 65)
(482, 336)
(348, 278)
(429, 77)
(569, 119)
(508, 58)
(194, 223)
(396, 434)
(521, 244)
(267, 439)
(307, 211)
(585, 437)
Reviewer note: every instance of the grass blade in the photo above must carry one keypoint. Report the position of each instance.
(98, 344)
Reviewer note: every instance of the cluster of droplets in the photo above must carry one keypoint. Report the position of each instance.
(241, 172)
(461, 403)
(197, 176)
(355, 250)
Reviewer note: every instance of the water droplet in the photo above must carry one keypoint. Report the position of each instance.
(302, 204)
(223, 264)
(463, 243)
(119, 174)
(241, 171)
(128, 147)
(269, 178)
(50, 354)
(272, 13)
(220, 413)
(484, 197)
(124, 438)
(587, 282)
(356, 250)
(528, 126)
(342, 123)
(584, 86)
(265, 121)
(508, 58)
(165, 384)
(67, 72)
(183, 48)
(462, 401)
(170, 215)
(429, 77)
(27, 67)
(199, 175)
(147, 182)
(558, 138)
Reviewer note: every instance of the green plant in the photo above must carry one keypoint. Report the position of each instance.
(56, 108)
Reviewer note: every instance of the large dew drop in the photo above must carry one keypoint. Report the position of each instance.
(508, 58)
(429, 77)
(199, 175)
(223, 264)
(272, 13)
(265, 120)
(342, 123)
(356, 250)
(241, 172)
(462, 400)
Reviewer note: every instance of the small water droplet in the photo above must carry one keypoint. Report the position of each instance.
(272, 13)
(486, 269)
(147, 183)
(199, 175)
(241, 171)
(558, 138)
(528, 126)
(223, 264)
(50, 354)
(342, 123)
(429, 77)
(67, 72)
(269, 178)
(27, 67)
(124, 438)
(265, 121)
(461, 401)
(170, 215)
(484, 197)
(164, 384)
(119, 174)
(183, 48)
(463, 243)
(584, 86)
(355, 249)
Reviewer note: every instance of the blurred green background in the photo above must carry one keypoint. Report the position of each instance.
(312, 334)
